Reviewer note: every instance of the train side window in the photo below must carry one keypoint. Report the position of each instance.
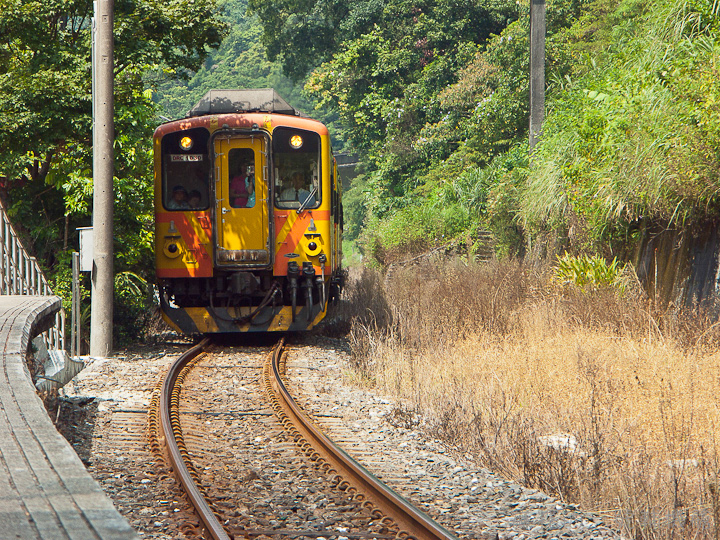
(335, 193)
(241, 164)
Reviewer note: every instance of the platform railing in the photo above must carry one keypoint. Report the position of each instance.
(21, 274)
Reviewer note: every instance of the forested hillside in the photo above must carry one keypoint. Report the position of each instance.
(433, 96)
(240, 62)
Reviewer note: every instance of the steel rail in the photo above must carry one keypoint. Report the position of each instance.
(355, 478)
(175, 456)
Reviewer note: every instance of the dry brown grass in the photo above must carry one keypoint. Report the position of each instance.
(499, 361)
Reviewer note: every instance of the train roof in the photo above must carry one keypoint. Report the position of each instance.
(242, 100)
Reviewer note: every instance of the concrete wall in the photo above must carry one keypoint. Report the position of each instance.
(680, 265)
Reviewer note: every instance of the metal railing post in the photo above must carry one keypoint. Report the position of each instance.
(6, 258)
(75, 317)
(3, 251)
(13, 265)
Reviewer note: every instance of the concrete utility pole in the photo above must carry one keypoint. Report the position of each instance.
(537, 69)
(101, 315)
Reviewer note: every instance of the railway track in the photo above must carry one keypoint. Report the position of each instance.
(260, 485)
(369, 503)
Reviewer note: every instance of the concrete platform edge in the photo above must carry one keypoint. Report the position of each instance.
(60, 475)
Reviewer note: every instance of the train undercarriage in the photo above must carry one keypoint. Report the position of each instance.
(249, 301)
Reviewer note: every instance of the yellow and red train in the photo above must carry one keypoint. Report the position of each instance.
(248, 216)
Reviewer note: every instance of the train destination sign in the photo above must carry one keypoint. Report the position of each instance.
(186, 157)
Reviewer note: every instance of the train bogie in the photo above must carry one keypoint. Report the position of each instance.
(248, 216)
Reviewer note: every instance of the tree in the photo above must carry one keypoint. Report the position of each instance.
(301, 33)
(385, 78)
(45, 100)
(46, 123)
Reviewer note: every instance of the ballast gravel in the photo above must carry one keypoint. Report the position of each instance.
(463, 497)
(452, 489)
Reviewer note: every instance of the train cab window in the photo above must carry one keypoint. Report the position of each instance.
(185, 170)
(241, 163)
(296, 155)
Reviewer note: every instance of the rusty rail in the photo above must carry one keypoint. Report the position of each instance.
(176, 452)
(350, 476)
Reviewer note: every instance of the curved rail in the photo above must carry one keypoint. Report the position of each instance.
(170, 423)
(383, 502)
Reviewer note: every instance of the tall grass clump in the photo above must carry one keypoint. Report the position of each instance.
(589, 271)
(590, 393)
(632, 131)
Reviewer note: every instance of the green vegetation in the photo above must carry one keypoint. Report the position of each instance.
(239, 62)
(585, 271)
(632, 132)
(433, 96)
(46, 125)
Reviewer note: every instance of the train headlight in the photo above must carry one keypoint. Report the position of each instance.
(186, 143)
(171, 249)
(296, 141)
(312, 244)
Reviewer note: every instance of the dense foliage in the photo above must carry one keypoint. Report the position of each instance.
(46, 121)
(239, 62)
(633, 133)
(630, 135)
(387, 81)
(433, 96)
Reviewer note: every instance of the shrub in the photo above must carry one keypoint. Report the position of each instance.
(589, 271)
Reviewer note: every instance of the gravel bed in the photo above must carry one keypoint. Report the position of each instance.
(452, 489)
(263, 485)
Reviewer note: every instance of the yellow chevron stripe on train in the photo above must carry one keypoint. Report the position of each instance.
(248, 216)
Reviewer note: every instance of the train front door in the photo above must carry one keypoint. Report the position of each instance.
(241, 192)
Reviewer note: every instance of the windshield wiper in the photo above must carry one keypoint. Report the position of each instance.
(307, 199)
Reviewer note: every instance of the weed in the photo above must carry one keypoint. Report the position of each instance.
(593, 394)
(585, 271)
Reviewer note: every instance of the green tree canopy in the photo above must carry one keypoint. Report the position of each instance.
(45, 102)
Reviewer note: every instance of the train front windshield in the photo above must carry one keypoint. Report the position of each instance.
(296, 157)
(185, 170)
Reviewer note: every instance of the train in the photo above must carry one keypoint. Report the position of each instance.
(248, 216)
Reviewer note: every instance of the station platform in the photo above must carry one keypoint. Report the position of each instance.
(45, 491)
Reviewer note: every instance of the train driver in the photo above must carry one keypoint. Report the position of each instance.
(298, 191)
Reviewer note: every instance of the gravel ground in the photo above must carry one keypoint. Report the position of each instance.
(452, 489)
